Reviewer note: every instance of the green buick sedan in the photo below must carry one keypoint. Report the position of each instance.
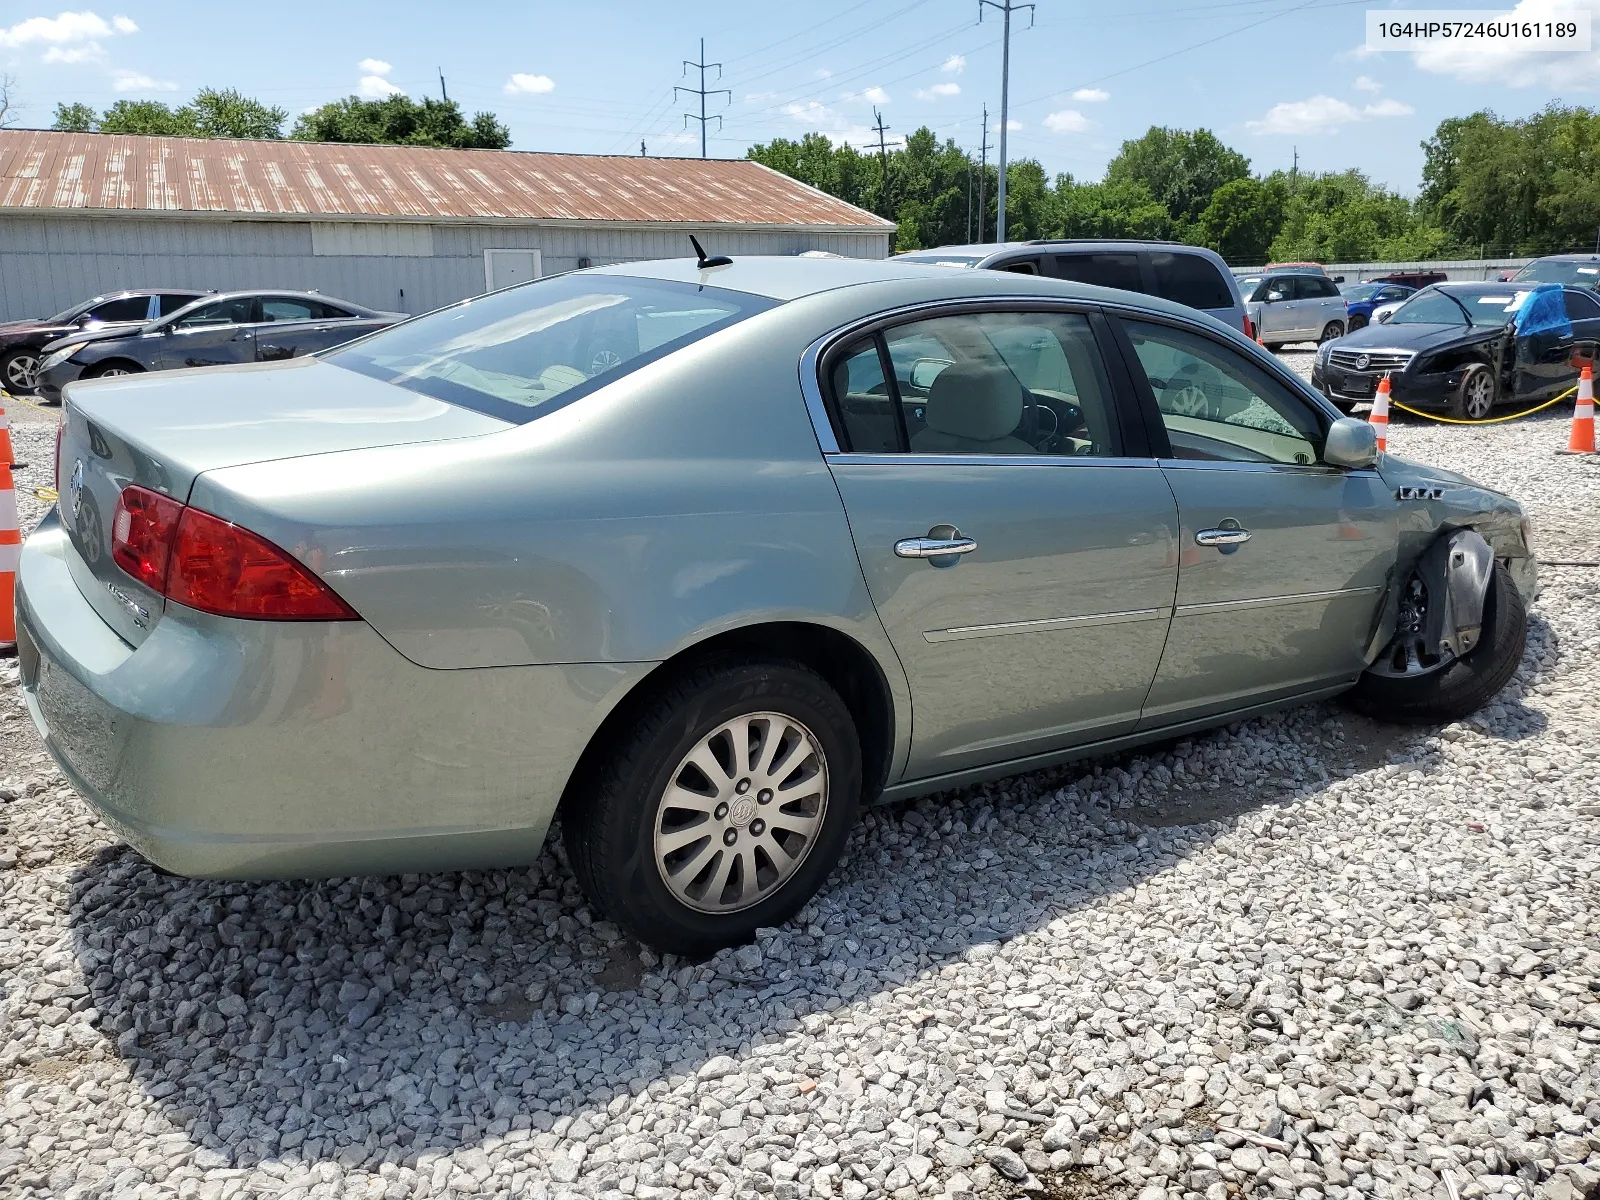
(704, 555)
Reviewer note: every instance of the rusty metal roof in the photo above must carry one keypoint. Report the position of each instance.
(96, 172)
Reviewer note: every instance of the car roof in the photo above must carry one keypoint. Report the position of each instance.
(1565, 258)
(245, 293)
(787, 277)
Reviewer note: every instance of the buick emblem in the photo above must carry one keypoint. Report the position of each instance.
(1362, 362)
(75, 488)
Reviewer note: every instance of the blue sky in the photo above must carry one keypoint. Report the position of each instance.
(1266, 75)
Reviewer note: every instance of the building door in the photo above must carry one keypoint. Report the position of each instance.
(503, 268)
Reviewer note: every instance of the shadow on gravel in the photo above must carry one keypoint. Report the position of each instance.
(364, 1020)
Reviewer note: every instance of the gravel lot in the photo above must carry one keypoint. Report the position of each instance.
(1304, 956)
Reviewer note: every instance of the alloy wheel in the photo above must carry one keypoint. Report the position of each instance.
(112, 372)
(743, 809)
(1479, 395)
(22, 373)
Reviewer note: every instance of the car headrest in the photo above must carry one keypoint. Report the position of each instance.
(974, 401)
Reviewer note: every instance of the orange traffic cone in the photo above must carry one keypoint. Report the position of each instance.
(1581, 439)
(1379, 418)
(10, 541)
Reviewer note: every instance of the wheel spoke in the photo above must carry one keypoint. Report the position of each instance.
(702, 757)
(684, 874)
(749, 886)
(797, 753)
(680, 839)
(680, 797)
(719, 879)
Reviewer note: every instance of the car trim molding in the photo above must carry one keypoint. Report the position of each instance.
(962, 632)
(849, 458)
(1220, 606)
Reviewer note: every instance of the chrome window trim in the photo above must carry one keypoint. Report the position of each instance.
(1204, 464)
(1255, 602)
(963, 632)
(850, 458)
(811, 360)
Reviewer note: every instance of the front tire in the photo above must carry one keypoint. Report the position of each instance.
(1461, 687)
(720, 808)
(1474, 397)
(19, 372)
(1357, 322)
(112, 369)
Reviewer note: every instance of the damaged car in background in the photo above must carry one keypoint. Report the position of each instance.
(704, 555)
(1463, 348)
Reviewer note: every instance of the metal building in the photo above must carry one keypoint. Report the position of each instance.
(394, 227)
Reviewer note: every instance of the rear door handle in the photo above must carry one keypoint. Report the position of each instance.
(1221, 537)
(932, 547)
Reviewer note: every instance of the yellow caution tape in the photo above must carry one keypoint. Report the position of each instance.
(1484, 420)
(49, 495)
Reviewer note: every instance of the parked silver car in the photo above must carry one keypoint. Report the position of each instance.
(703, 558)
(1293, 306)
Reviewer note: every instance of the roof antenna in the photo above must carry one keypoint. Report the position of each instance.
(721, 260)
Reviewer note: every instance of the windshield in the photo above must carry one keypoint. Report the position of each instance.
(1248, 285)
(1430, 308)
(1556, 270)
(1362, 291)
(512, 354)
(67, 316)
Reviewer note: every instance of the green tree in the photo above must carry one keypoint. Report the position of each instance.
(1182, 169)
(400, 120)
(1344, 217)
(1121, 209)
(213, 113)
(76, 118)
(1242, 219)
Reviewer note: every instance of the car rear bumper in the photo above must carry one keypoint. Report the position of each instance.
(255, 749)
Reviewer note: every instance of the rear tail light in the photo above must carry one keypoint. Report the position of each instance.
(1249, 327)
(213, 565)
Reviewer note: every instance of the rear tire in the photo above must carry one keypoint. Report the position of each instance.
(631, 840)
(1465, 685)
(1333, 329)
(109, 370)
(1273, 347)
(1357, 322)
(1474, 398)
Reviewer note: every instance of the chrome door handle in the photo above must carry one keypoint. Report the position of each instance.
(932, 547)
(1221, 537)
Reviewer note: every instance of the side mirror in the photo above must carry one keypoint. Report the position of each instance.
(1352, 443)
(1273, 297)
(1383, 317)
(925, 370)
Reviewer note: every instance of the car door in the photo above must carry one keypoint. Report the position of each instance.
(1020, 548)
(291, 326)
(1583, 309)
(1284, 559)
(211, 335)
(1278, 310)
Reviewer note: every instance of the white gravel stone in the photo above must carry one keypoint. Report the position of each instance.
(1306, 955)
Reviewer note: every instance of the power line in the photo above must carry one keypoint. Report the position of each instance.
(1007, 7)
(702, 93)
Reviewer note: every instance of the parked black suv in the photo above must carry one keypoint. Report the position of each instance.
(1189, 275)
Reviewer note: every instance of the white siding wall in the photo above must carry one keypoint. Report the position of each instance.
(48, 264)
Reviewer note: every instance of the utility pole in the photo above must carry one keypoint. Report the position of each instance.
(883, 163)
(643, 153)
(442, 92)
(702, 93)
(983, 174)
(969, 199)
(1294, 172)
(1007, 7)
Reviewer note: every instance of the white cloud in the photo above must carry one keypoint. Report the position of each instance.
(1091, 95)
(1363, 84)
(1323, 114)
(829, 122)
(1388, 108)
(86, 52)
(822, 73)
(954, 65)
(529, 85)
(135, 81)
(63, 30)
(937, 90)
(1012, 126)
(876, 94)
(1068, 120)
(1508, 63)
(373, 85)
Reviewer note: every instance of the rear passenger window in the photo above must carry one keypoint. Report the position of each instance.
(1190, 279)
(129, 308)
(1581, 307)
(171, 303)
(864, 401)
(1105, 270)
(1022, 266)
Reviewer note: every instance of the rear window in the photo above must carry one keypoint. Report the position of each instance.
(520, 353)
(129, 308)
(1106, 270)
(1190, 279)
(1558, 270)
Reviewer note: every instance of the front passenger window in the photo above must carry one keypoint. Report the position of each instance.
(1219, 406)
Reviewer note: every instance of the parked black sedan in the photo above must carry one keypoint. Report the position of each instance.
(22, 341)
(1461, 347)
(221, 329)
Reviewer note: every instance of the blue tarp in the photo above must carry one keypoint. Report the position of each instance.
(1544, 310)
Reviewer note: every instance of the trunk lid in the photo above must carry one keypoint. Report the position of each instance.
(162, 431)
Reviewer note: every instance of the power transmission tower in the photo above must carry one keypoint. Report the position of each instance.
(702, 93)
(883, 163)
(1007, 7)
(983, 174)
